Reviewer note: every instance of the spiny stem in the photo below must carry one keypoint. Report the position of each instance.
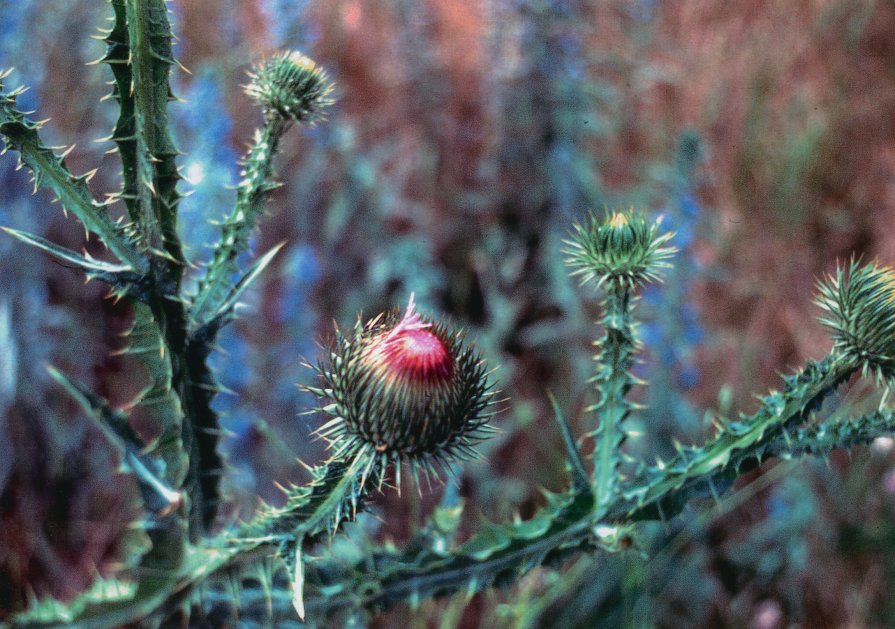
(118, 58)
(153, 154)
(700, 466)
(253, 192)
(151, 57)
(336, 492)
(615, 357)
(398, 578)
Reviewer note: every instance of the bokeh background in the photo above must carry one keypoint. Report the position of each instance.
(467, 138)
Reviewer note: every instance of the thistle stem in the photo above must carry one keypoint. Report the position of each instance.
(615, 357)
(253, 192)
(763, 435)
(709, 466)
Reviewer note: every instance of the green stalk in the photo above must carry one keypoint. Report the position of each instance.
(149, 35)
(254, 189)
(615, 358)
(567, 524)
(118, 58)
(148, 157)
(651, 493)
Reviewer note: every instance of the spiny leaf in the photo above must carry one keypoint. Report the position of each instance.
(121, 277)
(149, 37)
(158, 398)
(158, 497)
(720, 460)
(21, 134)
(613, 380)
(496, 555)
(336, 491)
(118, 57)
(569, 521)
(225, 309)
(580, 479)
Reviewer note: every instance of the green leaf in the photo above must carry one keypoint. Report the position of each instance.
(158, 400)
(48, 169)
(120, 276)
(118, 57)
(613, 380)
(225, 308)
(489, 540)
(157, 496)
(580, 479)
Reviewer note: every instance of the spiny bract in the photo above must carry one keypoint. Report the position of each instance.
(291, 85)
(859, 310)
(404, 388)
(620, 248)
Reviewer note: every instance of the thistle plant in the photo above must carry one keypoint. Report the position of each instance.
(398, 389)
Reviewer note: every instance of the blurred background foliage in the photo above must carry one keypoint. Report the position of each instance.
(467, 138)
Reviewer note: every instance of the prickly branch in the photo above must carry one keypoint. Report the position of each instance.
(502, 553)
(290, 88)
(620, 253)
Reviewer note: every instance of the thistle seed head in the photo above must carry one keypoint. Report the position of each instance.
(859, 310)
(291, 85)
(621, 248)
(405, 388)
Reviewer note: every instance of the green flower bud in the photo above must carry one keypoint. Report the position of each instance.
(405, 388)
(859, 310)
(291, 85)
(622, 249)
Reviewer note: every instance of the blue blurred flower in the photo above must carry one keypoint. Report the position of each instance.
(211, 167)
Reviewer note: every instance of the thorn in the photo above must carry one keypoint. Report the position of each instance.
(305, 465)
(283, 489)
(661, 511)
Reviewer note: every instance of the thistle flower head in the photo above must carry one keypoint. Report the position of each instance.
(291, 85)
(404, 388)
(621, 248)
(859, 310)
